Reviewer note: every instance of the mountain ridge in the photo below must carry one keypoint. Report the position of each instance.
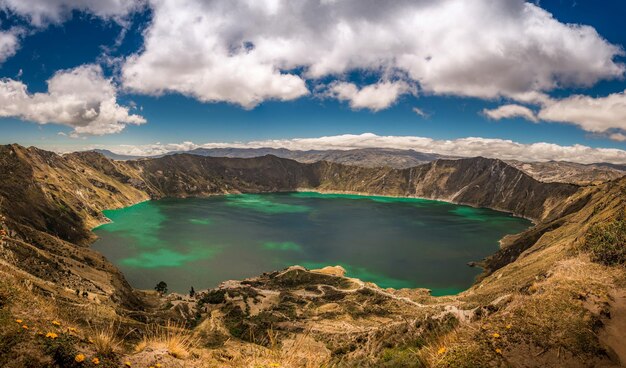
(534, 283)
(549, 171)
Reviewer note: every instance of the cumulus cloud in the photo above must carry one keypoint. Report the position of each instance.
(42, 12)
(81, 98)
(374, 97)
(9, 42)
(245, 52)
(466, 147)
(604, 115)
(596, 115)
(510, 111)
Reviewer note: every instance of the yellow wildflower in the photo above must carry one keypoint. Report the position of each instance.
(56, 323)
(127, 364)
(72, 329)
(441, 350)
(52, 335)
(79, 358)
(274, 365)
(18, 321)
(499, 351)
(158, 365)
(508, 327)
(95, 361)
(496, 335)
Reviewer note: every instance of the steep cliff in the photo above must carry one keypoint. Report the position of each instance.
(475, 181)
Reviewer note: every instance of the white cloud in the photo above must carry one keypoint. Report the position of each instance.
(467, 147)
(604, 115)
(42, 12)
(420, 112)
(510, 111)
(246, 51)
(618, 137)
(9, 42)
(596, 115)
(81, 98)
(375, 97)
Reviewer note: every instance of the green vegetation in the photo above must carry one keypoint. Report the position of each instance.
(161, 287)
(606, 242)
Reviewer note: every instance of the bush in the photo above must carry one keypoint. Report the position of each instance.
(606, 242)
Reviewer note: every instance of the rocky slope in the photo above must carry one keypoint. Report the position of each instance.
(541, 295)
(550, 171)
(570, 172)
(475, 181)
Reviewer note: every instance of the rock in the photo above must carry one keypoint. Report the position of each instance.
(332, 270)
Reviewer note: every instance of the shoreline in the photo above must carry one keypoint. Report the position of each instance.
(477, 263)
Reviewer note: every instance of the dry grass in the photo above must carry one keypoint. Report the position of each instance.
(105, 339)
(174, 338)
(301, 351)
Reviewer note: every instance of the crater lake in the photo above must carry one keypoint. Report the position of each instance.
(393, 242)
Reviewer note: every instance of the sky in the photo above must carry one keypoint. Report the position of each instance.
(540, 80)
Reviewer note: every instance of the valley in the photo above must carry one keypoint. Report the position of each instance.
(542, 293)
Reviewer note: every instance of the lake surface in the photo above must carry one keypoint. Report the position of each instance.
(393, 242)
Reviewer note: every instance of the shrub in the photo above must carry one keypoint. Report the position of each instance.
(606, 242)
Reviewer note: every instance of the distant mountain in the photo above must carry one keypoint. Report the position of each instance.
(364, 157)
(570, 172)
(115, 156)
(551, 171)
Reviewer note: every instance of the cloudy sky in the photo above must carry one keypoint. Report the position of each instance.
(499, 78)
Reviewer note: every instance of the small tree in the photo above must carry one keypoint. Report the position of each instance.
(161, 287)
(192, 292)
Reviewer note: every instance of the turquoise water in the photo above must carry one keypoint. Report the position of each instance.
(393, 242)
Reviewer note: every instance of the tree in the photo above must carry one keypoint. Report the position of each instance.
(192, 292)
(161, 287)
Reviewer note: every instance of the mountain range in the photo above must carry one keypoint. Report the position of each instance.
(548, 292)
(549, 171)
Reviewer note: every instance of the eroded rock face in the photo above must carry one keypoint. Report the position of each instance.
(475, 181)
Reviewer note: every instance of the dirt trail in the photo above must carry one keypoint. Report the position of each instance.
(614, 332)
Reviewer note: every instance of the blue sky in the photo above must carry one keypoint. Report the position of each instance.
(64, 38)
